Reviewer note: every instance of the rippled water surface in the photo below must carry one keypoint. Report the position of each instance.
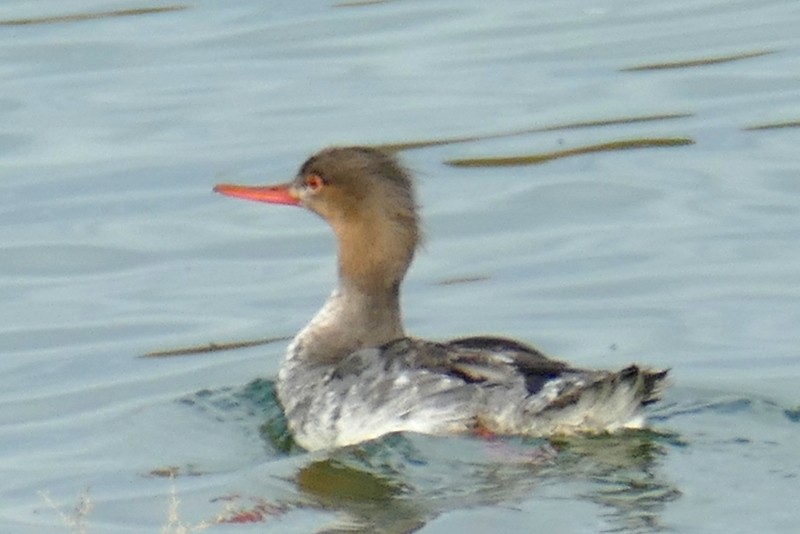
(656, 219)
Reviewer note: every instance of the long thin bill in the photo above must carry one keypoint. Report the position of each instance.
(272, 194)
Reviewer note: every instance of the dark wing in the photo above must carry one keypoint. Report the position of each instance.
(495, 344)
(485, 359)
(536, 368)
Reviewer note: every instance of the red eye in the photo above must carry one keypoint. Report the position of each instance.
(314, 182)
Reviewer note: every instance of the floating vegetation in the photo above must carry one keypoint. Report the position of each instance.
(700, 62)
(773, 126)
(173, 471)
(215, 347)
(462, 280)
(411, 145)
(165, 472)
(543, 157)
(91, 16)
(612, 122)
(359, 3)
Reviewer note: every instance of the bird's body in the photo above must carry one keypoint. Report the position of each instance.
(352, 374)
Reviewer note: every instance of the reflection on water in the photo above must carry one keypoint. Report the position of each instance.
(215, 347)
(773, 126)
(596, 123)
(620, 473)
(76, 17)
(700, 62)
(535, 159)
(116, 121)
(626, 478)
(401, 482)
(364, 500)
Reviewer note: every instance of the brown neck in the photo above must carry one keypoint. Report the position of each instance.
(364, 311)
(374, 257)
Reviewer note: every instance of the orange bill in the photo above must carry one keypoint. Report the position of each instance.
(272, 194)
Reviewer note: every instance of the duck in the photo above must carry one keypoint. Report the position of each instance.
(353, 374)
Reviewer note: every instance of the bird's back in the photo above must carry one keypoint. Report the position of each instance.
(465, 385)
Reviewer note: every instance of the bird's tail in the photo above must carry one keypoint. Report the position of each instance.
(606, 401)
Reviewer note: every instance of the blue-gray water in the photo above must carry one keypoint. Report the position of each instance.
(115, 127)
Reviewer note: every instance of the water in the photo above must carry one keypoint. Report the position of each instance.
(117, 124)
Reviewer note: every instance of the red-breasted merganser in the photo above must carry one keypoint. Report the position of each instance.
(353, 375)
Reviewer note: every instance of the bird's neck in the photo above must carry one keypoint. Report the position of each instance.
(350, 319)
(364, 310)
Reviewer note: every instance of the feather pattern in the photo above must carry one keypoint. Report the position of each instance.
(493, 384)
(352, 374)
